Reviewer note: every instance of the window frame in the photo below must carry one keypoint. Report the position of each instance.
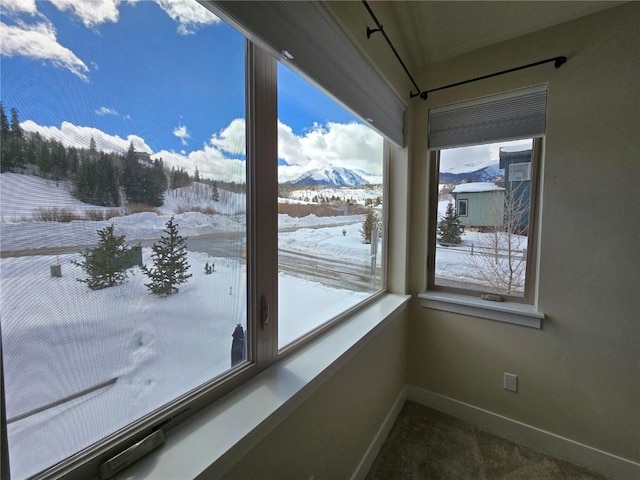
(530, 293)
(465, 202)
(262, 290)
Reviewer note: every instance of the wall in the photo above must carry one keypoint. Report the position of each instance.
(328, 435)
(578, 376)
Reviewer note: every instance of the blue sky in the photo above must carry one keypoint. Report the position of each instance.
(167, 75)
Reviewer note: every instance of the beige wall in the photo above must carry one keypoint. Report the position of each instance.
(579, 377)
(328, 435)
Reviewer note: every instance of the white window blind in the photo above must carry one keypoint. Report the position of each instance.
(324, 54)
(508, 116)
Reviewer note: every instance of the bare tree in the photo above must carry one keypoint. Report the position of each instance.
(500, 255)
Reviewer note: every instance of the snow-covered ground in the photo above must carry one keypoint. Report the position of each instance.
(60, 338)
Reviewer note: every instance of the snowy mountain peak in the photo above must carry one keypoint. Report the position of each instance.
(335, 176)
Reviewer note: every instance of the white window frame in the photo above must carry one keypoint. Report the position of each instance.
(532, 244)
(519, 114)
(520, 170)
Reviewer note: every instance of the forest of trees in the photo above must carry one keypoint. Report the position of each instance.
(97, 177)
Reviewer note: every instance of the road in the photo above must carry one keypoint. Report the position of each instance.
(331, 272)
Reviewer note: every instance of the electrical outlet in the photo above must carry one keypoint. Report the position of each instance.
(510, 382)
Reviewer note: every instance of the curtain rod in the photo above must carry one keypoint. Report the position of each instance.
(386, 37)
(558, 62)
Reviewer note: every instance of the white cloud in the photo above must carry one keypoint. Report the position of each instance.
(91, 13)
(349, 145)
(39, 42)
(182, 133)
(475, 157)
(211, 163)
(18, 6)
(106, 111)
(231, 139)
(188, 14)
(77, 136)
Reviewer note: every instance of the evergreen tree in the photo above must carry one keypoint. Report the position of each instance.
(370, 222)
(170, 263)
(215, 194)
(4, 121)
(5, 159)
(93, 152)
(156, 182)
(449, 227)
(132, 177)
(44, 159)
(105, 265)
(16, 140)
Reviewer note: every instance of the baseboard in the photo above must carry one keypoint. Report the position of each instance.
(383, 432)
(577, 453)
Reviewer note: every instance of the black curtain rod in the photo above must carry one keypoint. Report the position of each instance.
(558, 62)
(386, 37)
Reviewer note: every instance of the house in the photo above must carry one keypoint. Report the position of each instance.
(516, 163)
(479, 204)
(579, 374)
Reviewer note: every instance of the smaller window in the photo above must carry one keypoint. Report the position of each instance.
(462, 207)
(485, 155)
(520, 172)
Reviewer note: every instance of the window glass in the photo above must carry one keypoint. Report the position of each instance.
(330, 174)
(123, 214)
(483, 218)
(462, 207)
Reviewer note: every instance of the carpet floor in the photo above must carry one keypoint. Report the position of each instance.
(425, 444)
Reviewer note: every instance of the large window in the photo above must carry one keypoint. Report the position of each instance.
(123, 270)
(483, 213)
(154, 217)
(330, 208)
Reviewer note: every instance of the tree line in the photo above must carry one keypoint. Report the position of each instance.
(98, 177)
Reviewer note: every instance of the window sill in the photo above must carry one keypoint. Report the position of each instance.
(508, 312)
(218, 437)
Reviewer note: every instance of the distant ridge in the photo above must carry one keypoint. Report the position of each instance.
(486, 174)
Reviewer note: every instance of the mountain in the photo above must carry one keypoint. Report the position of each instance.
(334, 176)
(486, 174)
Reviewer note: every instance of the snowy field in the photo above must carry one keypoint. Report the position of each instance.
(60, 338)
(456, 264)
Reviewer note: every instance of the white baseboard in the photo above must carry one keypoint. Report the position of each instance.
(577, 453)
(382, 434)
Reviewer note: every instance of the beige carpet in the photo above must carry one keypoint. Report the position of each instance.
(426, 444)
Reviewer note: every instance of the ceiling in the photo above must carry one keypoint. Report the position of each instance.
(426, 32)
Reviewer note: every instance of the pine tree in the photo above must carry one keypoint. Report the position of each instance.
(449, 227)
(169, 262)
(132, 177)
(215, 195)
(370, 222)
(5, 156)
(105, 265)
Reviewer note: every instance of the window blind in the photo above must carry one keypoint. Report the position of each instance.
(508, 116)
(324, 54)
